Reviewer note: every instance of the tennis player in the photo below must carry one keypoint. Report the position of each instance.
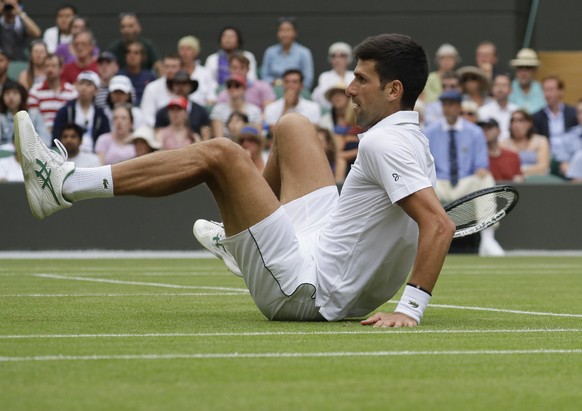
(305, 252)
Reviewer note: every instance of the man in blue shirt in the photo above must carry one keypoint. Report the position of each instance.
(286, 55)
(526, 92)
(461, 160)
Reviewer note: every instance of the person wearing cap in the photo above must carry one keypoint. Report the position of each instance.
(253, 142)
(218, 64)
(144, 141)
(83, 44)
(107, 67)
(71, 137)
(340, 56)
(183, 86)
(287, 54)
(526, 92)
(499, 108)
(461, 160)
(433, 112)
(52, 94)
(557, 118)
(83, 112)
(130, 30)
(292, 101)
(446, 59)
(120, 92)
(178, 133)
(139, 76)
(157, 93)
(189, 51)
(236, 87)
(17, 29)
(258, 92)
(504, 164)
(475, 84)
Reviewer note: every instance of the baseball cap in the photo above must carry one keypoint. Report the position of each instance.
(145, 133)
(451, 95)
(178, 102)
(490, 122)
(106, 56)
(91, 76)
(120, 83)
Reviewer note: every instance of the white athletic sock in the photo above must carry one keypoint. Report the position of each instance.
(84, 183)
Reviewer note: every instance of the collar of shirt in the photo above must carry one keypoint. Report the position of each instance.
(291, 49)
(458, 126)
(551, 114)
(400, 117)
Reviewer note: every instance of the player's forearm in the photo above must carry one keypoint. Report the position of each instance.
(433, 244)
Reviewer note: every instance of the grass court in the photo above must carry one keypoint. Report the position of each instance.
(184, 334)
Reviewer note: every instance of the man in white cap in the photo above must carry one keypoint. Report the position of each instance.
(83, 112)
(526, 92)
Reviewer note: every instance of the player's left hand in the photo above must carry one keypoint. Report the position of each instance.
(385, 320)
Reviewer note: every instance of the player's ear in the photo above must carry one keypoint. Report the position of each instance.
(393, 90)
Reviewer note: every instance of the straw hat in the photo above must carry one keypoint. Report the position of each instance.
(525, 58)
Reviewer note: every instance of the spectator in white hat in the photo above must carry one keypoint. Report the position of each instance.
(144, 141)
(83, 112)
(526, 92)
(340, 56)
(121, 93)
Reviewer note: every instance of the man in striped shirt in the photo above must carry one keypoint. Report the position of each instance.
(49, 96)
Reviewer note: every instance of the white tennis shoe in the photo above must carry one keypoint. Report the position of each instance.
(44, 169)
(210, 234)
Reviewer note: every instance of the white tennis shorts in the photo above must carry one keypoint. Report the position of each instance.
(276, 256)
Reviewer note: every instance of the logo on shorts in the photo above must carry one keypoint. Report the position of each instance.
(395, 176)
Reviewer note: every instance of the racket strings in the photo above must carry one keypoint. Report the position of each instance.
(480, 209)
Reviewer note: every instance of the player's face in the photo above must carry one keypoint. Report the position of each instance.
(368, 98)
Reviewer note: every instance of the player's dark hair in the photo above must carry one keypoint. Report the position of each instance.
(397, 57)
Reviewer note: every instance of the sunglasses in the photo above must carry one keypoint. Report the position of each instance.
(234, 85)
(470, 77)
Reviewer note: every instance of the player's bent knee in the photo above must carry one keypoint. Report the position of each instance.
(223, 152)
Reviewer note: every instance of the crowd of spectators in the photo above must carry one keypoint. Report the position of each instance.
(106, 100)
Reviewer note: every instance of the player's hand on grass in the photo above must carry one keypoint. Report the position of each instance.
(396, 320)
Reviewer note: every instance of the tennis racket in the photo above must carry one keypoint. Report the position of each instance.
(481, 209)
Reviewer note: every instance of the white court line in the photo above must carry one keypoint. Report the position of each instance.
(502, 310)
(103, 280)
(122, 295)
(235, 355)
(286, 333)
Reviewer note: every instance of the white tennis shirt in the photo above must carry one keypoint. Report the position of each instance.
(367, 250)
